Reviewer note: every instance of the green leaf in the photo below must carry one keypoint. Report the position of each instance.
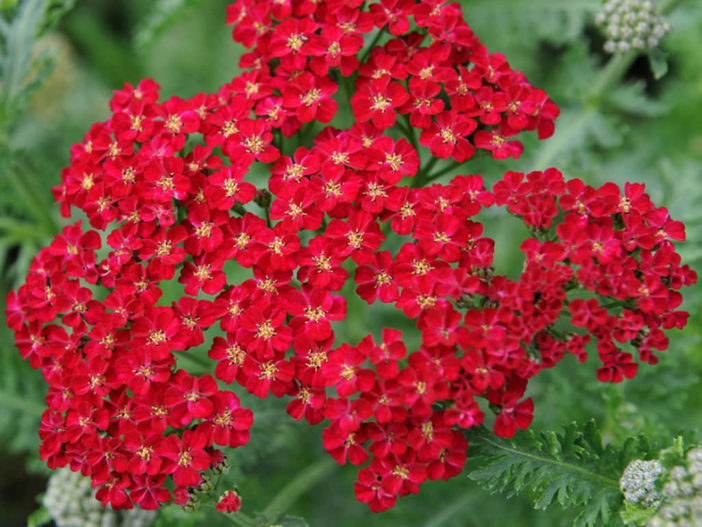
(39, 517)
(636, 514)
(631, 99)
(18, 38)
(658, 63)
(163, 14)
(570, 467)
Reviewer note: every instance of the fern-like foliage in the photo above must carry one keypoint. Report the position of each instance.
(571, 467)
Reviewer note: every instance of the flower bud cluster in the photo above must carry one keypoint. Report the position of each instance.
(631, 24)
(70, 501)
(638, 483)
(682, 495)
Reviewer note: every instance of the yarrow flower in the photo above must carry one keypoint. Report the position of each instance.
(93, 315)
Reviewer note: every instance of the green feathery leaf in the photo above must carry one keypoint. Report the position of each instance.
(571, 467)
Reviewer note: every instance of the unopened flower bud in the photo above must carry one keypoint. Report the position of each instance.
(631, 24)
(638, 482)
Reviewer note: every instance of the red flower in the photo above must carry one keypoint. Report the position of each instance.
(185, 457)
(310, 97)
(447, 136)
(376, 100)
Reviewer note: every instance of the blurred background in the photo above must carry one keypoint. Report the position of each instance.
(635, 128)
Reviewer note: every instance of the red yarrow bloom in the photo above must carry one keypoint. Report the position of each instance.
(447, 136)
(377, 100)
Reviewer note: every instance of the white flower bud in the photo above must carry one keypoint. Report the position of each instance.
(610, 46)
(637, 43)
(70, 501)
(678, 473)
(638, 482)
(641, 28)
(670, 489)
(633, 22)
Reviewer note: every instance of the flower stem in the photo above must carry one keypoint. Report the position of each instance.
(612, 73)
(305, 480)
(409, 132)
(241, 519)
(607, 78)
(421, 178)
(370, 47)
(443, 171)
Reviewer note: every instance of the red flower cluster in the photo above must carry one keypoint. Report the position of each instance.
(92, 316)
(457, 93)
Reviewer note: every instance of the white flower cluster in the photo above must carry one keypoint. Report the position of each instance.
(70, 501)
(631, 24)
(638, 483)
(682, 495)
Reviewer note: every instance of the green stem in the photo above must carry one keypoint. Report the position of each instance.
(240, 519)
(267, 212)
(608, 77)
(448, 512)
(409, 132)
(305, 480)
(421, 178)
(370, 47)
(611, 74)
(607, 481)
(443, 171)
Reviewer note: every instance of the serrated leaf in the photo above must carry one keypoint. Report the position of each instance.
(658, 63)
(570, 467)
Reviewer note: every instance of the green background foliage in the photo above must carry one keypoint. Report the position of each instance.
(60, 61)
